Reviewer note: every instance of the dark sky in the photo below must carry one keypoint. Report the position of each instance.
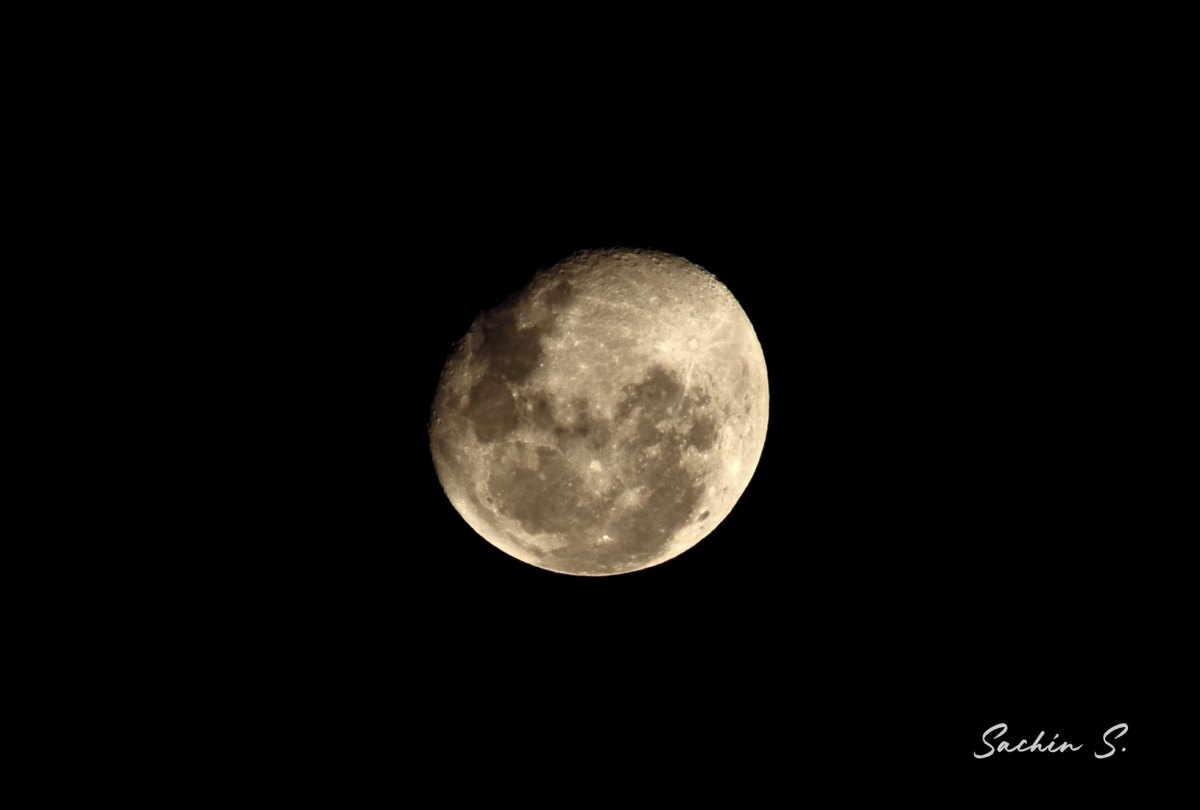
(956, 520)
(948, 525)
(964, 277)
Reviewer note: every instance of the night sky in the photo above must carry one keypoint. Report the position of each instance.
(954, 521)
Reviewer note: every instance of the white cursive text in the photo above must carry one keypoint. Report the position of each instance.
(1054, 746)
(1023, 746)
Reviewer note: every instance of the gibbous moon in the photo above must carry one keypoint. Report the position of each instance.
(605, 418)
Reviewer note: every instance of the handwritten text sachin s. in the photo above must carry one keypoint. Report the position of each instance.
(991, 738)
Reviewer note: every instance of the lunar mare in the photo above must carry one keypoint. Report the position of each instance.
(607, 417)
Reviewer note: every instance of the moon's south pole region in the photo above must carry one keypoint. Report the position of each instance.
(605, 418)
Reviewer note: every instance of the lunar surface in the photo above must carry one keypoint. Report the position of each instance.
(605, 418)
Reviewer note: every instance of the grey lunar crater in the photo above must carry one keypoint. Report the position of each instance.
(605, 418)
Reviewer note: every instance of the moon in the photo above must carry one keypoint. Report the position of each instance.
(607, 417)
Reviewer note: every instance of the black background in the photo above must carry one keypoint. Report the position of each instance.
(963, 266)
(958, 517)
(950, 525)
